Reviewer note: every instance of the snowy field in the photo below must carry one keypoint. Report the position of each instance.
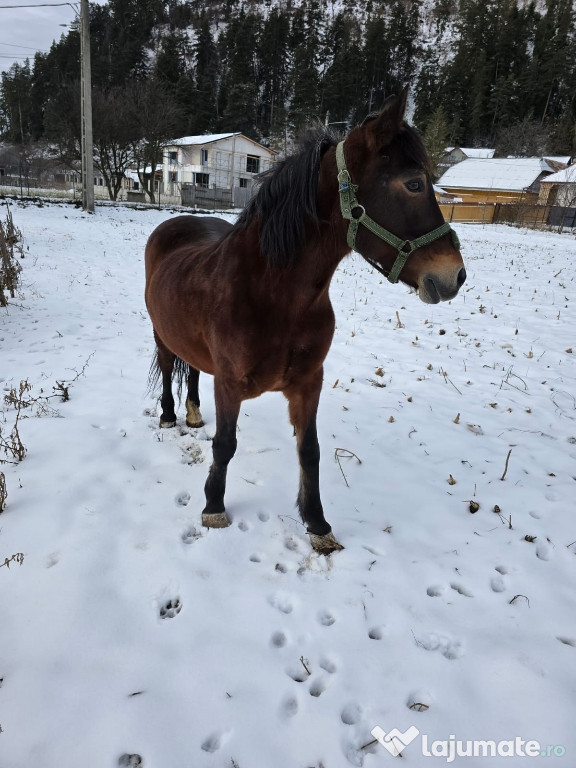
(129, 630)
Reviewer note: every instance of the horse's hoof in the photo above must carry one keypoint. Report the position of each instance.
(325, 544)
(166, 424)
(193, 415)
(215, 519)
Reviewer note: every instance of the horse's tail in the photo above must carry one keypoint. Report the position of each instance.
(180, 373)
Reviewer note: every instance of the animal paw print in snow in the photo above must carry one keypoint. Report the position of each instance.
(171, 608)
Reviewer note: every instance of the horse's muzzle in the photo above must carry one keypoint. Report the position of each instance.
(433, 288)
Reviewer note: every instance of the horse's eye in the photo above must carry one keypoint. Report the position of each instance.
(415, 185)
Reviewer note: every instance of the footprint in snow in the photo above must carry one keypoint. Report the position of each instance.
(544, 551)
(497, 584)
(461, 589)
(352, 713)
(183, 499)
(263, 517)
(376, 633)
(130, 761)
(420, 700)
(435, 590)
(326, 618)
(449, 648)
(298, 672)
(282, 602)
(190, 535)
(289, 706)
(278, 640)
(328, 665)
(171, 608)
(567, 641)
(212, 743)
(318, 686)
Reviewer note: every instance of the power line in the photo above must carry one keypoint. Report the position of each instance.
(35, 5)
(13, 45)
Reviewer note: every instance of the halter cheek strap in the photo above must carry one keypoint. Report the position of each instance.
(356, 214)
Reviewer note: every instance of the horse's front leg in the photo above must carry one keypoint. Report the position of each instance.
(303, 400)
(223, 449)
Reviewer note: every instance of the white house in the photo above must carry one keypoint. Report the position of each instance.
(204, 167)
(560, 188)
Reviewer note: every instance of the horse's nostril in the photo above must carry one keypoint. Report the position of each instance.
(461, 277)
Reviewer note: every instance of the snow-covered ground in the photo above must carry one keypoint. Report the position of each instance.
(128, 629)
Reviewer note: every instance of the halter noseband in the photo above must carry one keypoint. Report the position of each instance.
(349, 203)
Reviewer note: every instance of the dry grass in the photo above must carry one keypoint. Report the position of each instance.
(10, 249)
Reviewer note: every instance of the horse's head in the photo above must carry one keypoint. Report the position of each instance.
(386, 195)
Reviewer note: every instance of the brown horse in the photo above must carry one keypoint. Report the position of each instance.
(249, 303)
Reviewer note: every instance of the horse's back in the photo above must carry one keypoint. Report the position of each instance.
(175, 233)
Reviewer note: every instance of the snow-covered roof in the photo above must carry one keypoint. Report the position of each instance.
(208, 138)
(501, 173)
(568, 174)
(559, 158)
(478, 153)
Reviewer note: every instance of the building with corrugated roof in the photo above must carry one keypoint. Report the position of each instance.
(497, 180)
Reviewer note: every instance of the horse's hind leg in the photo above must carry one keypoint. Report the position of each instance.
(165, 362)
(193, 415)
(223, 449)
(303, 405)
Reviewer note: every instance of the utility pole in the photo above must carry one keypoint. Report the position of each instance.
(87, 148)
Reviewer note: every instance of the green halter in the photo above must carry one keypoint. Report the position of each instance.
(349, 203)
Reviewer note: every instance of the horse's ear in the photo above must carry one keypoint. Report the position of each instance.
(386, 126)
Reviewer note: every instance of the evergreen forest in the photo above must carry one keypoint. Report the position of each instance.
(482, 72)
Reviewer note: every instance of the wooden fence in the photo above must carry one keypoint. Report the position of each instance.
(529, 215)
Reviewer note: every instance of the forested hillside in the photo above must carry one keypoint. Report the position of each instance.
(482, 71)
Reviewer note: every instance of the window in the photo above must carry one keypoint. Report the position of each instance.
(136, 185)
(173, 176)
(202, 179)
(172, 158)
(204, 157)
(252, 164)
(243, 183)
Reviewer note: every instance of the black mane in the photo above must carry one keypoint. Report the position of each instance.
(285, 203)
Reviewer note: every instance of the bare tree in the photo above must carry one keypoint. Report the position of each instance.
(113, 128)
(114, 136)
(156, 118)
(526, 138)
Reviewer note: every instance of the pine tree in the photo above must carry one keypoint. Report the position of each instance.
(341, 83)
(15, 87)
(436, 138)
(274, 72)
(203, 99)
(307, 27)
(240, 77)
